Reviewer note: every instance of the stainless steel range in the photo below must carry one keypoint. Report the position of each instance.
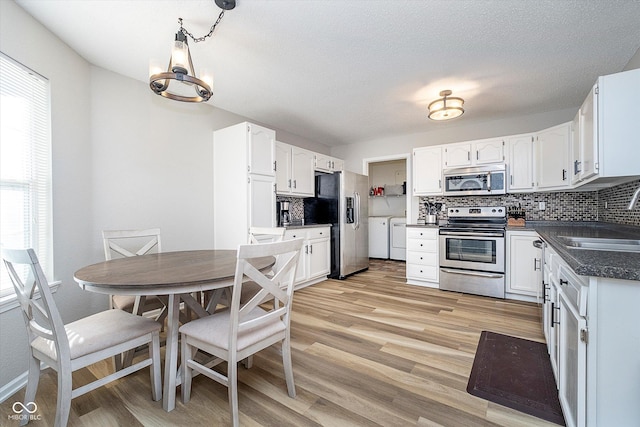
(472, 251)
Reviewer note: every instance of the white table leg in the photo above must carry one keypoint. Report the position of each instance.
(171, 355)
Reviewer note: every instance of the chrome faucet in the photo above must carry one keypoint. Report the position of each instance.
(634, 199)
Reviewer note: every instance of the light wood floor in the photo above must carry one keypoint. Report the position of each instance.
(369, 350)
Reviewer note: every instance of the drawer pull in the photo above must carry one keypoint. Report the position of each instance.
(563, 282)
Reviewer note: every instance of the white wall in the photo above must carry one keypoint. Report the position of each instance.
(28, 42)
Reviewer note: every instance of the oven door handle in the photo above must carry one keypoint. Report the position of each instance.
(473, 273)
(464, 234)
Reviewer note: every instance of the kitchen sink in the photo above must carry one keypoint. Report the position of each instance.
(601, 244)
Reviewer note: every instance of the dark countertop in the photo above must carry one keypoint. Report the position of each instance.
(617, 265)
(423, 225)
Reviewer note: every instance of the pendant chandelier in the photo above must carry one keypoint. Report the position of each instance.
(446, 107)
(180, 79)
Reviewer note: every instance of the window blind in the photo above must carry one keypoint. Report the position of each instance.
(25, 165)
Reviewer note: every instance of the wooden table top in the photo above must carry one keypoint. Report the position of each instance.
(164, 273)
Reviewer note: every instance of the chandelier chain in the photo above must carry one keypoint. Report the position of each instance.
(203, 38)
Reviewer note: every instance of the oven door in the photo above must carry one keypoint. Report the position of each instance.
(481, 251)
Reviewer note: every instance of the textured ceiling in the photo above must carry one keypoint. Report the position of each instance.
(342, 71)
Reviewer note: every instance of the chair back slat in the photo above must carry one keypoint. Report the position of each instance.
(266, 234)
(42, 318)
(271, 286)
(127, 243)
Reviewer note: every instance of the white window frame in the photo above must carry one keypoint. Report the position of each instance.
(24, 89)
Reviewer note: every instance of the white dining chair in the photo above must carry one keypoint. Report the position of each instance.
(243, 330)
(128, 243)
(67, 348)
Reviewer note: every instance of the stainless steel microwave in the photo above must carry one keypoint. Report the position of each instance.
(479, 180)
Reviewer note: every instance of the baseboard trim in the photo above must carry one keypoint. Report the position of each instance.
(13, 386)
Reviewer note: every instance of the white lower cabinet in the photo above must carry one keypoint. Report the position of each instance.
(524, 266)
(572, 362)
(315, 259)
(422, 256)
(591, 328)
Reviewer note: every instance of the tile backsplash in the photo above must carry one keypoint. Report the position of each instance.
(559, 206)
(296, 206)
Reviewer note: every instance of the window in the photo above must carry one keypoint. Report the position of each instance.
(25, 165)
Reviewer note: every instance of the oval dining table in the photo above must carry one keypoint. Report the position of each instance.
(176, 274)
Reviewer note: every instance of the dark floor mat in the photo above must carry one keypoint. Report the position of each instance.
(516, 373)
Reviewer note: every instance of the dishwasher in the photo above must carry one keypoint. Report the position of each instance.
(398, 238)
(379, 237)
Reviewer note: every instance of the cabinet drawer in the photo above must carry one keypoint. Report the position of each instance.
(318, 233)
(421, 245)
(422, 272)
(422, 233)
(296, 233)
(422, 258)
(573, 288)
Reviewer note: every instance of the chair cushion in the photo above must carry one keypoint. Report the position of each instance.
(214, 329)
(99, 331)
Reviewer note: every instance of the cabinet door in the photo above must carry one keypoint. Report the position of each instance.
(572, 365)
(323, 163)
(588, 135)
(262, 150)
(283, 168)
(552, 157)
(338, 165)
(524, 264)
(457, 155)
(262, 202)
(427, 171)
(319, 256)
(521, 163)
(489, 151)
(576, 154)
(302, 172)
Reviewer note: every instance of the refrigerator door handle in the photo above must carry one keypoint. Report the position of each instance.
(356, 225)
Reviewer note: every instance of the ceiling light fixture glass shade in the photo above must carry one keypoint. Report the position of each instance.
(446, 107)
(171, 83)
(180, 82)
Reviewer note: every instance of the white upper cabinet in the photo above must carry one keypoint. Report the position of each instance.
(427, 171)
(486, 151)
(457, 155)
(238, 152)
(329, 164)
(609, 126)
(489, 151)
(585, 139)
(261, 148)
(294, 170)
(552, 157)
(521, 164)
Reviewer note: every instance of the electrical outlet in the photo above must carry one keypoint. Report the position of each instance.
(542, 206)
(443, 208)
(606, 204)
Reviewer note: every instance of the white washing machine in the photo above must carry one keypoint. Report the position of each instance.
(398, 238)
(379, 237)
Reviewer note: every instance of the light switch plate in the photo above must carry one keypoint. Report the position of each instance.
(542, 206)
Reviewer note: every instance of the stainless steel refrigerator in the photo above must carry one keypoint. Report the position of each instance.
(341, 200)
(354, 223)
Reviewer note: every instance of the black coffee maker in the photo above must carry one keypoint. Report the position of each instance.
(284, 216)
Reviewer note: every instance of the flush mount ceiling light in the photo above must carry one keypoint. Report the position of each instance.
(446, 107)
(180, 74)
